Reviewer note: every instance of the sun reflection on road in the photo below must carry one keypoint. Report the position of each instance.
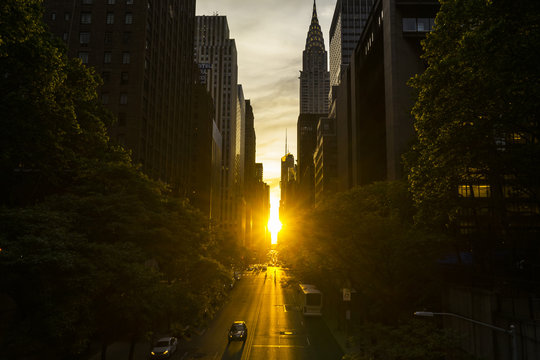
(274, 225)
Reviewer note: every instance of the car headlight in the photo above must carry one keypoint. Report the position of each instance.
(153, 353)
(165, 352)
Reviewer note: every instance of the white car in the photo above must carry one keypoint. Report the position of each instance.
(164, 348)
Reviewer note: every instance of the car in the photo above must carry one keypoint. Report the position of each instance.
(164, 348)
(238, 331)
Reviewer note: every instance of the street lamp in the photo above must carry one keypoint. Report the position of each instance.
(511, 331)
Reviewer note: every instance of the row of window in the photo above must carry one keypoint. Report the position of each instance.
(107, 57)
(123, 100)
(418, 24)
(84, 38)
(109, 2)
(86, 18)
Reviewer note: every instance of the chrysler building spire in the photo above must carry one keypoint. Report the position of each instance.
(314, 77)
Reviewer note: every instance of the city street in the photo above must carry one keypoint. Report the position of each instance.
(276, 327)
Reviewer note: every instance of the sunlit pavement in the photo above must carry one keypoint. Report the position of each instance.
(276, 327)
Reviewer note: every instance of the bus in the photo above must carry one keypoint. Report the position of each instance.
(310, 300)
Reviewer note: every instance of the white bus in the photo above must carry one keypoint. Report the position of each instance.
(310, 300)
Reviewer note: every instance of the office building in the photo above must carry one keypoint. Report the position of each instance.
(215, 50)
(144, 53)
(325, 159)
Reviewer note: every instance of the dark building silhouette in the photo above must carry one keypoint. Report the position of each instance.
(325, 159)
(306, 144)
(374, 125)
(206, 151)
(289, 186)
(314, 86)
(144, 53)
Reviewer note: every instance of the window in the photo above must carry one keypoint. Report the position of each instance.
(110, 18)
(104, 99)
(84, 57)
(129, 18)
(108, 38)
(65, 36)
(106, 75)
(121, 119)
(423, 24)
(86, 18)
(409, 24)
(129, 2)
(123, 99)
(111, 2)
(124, 77)
(125, 58)
(125, 37)
(84, 38)
(53, 16)
(87, 2)
(107, 57)
(67, 16)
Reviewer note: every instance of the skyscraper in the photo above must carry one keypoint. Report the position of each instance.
(314, 77)
(348, 22)
(217, 51)
(314, 86)
(144, 53)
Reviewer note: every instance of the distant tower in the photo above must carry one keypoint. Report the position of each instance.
(314, 77)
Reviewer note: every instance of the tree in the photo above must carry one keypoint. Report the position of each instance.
(476, 119)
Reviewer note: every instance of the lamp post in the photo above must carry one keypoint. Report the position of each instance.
(511, 331)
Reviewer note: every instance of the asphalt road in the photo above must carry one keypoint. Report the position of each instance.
(276, 327)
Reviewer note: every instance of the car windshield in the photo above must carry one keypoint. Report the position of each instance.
(162, 344)
(237, 327)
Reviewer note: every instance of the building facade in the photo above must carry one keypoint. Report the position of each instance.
(144, 53)
(374, 124)
(325, 159)
(348, 22)
(314, 77)
(215, 49)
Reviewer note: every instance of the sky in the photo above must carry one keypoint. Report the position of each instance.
(270, 36)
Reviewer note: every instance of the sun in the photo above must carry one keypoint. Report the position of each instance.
(274, 225)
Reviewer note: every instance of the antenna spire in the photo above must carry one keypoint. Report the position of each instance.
(286, 147)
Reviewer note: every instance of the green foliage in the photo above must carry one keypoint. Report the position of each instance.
(365, 238)
(479, 93)
(409, 340)
(101, 251)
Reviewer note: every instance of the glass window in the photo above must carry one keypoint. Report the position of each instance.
(106, 75)
(84, 38)
(123, 99)
(409, 24)
(86, 18)
(53, 16)
(431, 23)
(110, 18)
(107, 57)
(125, 58)
(65, 36)
(125, 37)
(124, 77)
(84, 57)
(129, 2)
(108, 38)
(87, 2)
(67, 16)
(111, 2)
(129, 18)
(423, 24)
(104, 99)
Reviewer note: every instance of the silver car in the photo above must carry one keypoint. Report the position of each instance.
(164, 348)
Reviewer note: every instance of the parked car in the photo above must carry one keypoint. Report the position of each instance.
(164, 348)
(238, 331)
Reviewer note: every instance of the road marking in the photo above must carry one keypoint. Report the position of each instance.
(307, 339)
(279, 346)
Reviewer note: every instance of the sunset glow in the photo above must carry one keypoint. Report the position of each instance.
(274, 225)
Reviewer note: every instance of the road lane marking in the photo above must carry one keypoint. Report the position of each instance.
(307, 339)
(279, 346)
